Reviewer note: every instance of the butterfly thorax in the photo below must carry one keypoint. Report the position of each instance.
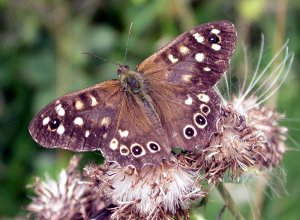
(133, 83)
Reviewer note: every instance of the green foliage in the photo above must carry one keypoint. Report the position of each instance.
(40, 60)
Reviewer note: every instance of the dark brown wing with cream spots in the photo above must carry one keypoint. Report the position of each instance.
(189, 116)
(78, 121)
(184, 70)
(101, 118)
(195, 58)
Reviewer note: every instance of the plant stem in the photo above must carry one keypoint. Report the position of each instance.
(229, 202)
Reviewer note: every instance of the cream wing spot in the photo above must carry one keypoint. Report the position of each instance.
(60, 130)
(172, 58)
(78, 121)
(123, 134)
(137, 150)
(186, 77)
(203, 97)
(60, 110)
(79, 105)
(206, 69)
(105, 121)
(183, 50)
(199, 38)
(124, 150)
(215, 31)
(189, 131)
(87, 133)
(58, 107)
(114, 144)
(199, 57)
(93, 100)
(46, 120)
(216, 47)
(188, 101)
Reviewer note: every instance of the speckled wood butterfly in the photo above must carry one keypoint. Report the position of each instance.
(167, 101)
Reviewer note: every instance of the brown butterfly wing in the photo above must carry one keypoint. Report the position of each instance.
(197, 58)
(181, 76)
(189, 116)
(101, 118)
(67, 121)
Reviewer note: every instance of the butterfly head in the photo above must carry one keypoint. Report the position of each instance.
(122, 69)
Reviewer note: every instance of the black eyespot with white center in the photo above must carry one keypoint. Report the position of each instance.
(189, 131)
(204, 109)
(153, 147)
(137, 150)
(200, 120)
(54, 124)
(214, 39)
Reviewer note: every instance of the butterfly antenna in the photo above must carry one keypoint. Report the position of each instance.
(100, 58)
(128, 37)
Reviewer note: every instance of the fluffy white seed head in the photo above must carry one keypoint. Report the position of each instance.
(151, 191)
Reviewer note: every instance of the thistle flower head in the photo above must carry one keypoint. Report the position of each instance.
(65, 198)
(233, 148)
(249, 134)
(150, 193)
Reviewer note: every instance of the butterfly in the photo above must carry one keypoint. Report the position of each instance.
(167, 101)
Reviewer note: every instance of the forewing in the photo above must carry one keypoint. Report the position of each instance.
(79, 121)
(197, 57)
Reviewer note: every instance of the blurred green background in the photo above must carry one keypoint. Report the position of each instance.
(40, 60)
